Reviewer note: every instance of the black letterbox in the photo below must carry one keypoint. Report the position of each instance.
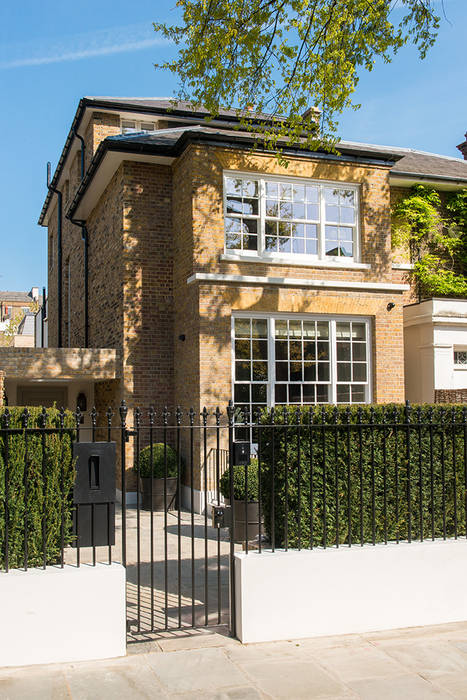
(94, 493)
(242, 452)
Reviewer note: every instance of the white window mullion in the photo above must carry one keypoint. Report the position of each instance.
(271, 361)
(333, 367)
(262, 215)
(322, 217)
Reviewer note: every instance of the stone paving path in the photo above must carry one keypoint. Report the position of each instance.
(416, 664)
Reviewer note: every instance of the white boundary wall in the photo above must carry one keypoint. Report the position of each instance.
(288, 595)
(59, 615)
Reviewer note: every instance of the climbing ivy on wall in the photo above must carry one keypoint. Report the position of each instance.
(434, 236)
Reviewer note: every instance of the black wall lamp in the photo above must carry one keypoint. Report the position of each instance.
(390, 306)
(182, 337)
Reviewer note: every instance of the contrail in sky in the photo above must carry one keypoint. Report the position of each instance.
(75, 47)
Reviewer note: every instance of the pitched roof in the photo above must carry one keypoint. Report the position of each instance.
(16, 296)
(411, 163)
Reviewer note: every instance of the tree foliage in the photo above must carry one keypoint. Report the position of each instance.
(435, 240)
(285, 56)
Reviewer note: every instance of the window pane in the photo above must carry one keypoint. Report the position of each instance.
(359, 372)
(295, 329)
(250, 243)
(359, 351)
(259, 328)
(308, 393)
(250, 206)
(281, 350)
(233, 241)
(358, 394)
(295, 393)
(309, 329)
(272, 208)
(312, 212)
(322, 328)
(242, 393)
(343, 393)
(342, 330)
(258, 393)
(311, 247)
(242, 371)
(285, 190)
(343, 372)
(282, 371)
(250, 188)
(322, 393)
(312, 193)
(309, 371)
(343, 351)
(309, 351)
(295, 349)
(323, 350)
(234, 205)
(296, 372)
(281, 329)
(233, 185)
(260, 349)
(331, 195)
(281, 393)
(332, 213)
(242, 349)
(260, 371)
(347, 215)
(242, 327)
(271, 243)
(272, 189)
(358, 331)
(323, 371)
(298, 245)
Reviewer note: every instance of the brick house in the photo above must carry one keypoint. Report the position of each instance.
(215, 272)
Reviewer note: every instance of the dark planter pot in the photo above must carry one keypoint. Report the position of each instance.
(158, 493)
(252, 516)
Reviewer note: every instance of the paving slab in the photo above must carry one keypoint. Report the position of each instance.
(409, 687)
(34, 685)
(287, 678)
(125, 681)
(427, 658)
(200, 669)
(453, 683)
(354, 662)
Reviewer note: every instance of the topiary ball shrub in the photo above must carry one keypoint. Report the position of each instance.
(239, 482)
(160, 455)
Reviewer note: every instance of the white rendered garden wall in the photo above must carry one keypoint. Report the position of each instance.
(58, 615)
(287, 595)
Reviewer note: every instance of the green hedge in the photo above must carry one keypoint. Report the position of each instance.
(41, 495)
(352, 473)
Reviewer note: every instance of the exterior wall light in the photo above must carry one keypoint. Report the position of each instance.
(390, 306)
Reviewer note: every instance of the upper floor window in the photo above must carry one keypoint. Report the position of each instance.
(132, 126)
(460, 358)
(277, 216)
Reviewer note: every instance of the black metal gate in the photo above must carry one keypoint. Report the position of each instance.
(177, 550)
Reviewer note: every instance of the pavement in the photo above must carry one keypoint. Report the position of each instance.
(413, 664)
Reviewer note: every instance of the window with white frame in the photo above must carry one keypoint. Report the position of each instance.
(278, 216)
(460, 357)
(132, 126)
(306, 360)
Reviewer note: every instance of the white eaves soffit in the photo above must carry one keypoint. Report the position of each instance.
(104, 173)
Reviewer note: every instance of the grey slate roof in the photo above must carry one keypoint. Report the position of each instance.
(26, 327)
(15, 296)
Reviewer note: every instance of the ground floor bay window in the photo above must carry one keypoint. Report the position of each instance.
(300, 360)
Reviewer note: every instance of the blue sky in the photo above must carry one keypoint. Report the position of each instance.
(52, 53)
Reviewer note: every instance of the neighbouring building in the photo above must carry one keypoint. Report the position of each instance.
(436, 351)
(212, 271)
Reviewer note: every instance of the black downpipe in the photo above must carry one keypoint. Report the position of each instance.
(59, 253)
(85, 237)
(83, 152)
(43, 315)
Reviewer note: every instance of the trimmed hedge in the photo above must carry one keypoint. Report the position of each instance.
(158, 468)
(239, 482)
(42, 495)
(320, 490)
